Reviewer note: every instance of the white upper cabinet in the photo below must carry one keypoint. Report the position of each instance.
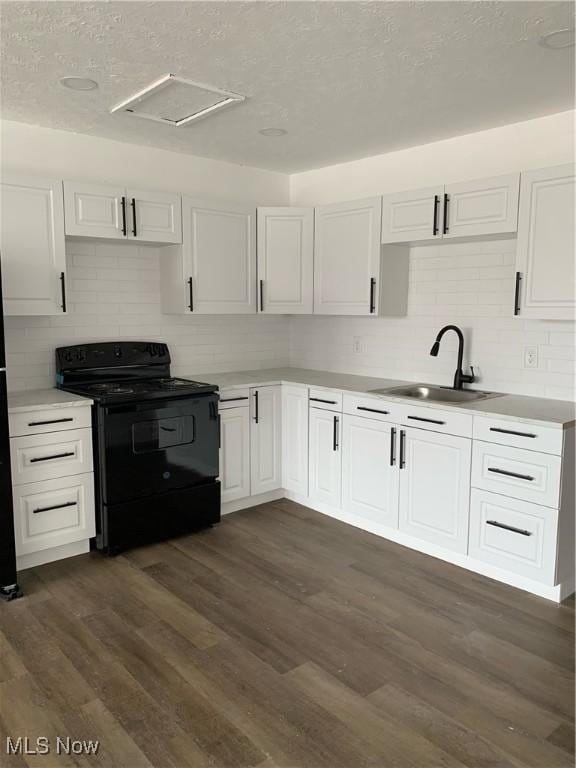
(117, 213)
(347, 258)
(545, 253)
(484, 207)
(412, 216)
(285, 260)
(32, 246)
(266, 439)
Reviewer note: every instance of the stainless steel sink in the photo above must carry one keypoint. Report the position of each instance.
(436, 394)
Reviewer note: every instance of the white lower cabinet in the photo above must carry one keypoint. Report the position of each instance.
(265, 439)
(325, 459)
(235, 452)
(435, 487)
(295, 439)
(369, 474)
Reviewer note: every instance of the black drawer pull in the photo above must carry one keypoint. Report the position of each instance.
(402, 449)
(52, 421)
(371, 410)
(335, 436)
(521, 531)
(511, 432)
(233, 399)
(55, 456)
(392, 447)
(430, 421)
(56, 506)
(320, 400)
(510, 474)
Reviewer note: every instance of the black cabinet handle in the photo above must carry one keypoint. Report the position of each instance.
(232, 399)
(521, 531)
(335, 435)
(123, 206)
(512, 432)
(517, 294)
(52, 421)
(133, 206)
(392, 447)
(261, 295)
(402, 449)
(510, 474)
(63, 290)
(445, 225)
(429, 421)
(435, 220)
(55, 456)
(256, 414)
(320, 400)
(371, 410)
(56, 506)
(190, 295)
(372, 295)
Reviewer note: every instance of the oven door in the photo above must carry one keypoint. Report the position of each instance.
(158, 446)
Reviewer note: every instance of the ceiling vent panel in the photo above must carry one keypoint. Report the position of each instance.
(173, 100)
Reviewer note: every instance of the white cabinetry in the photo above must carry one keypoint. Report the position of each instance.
(32, 246)
(325, 460)
(545, 256)
(266, 439)
(234, 415)
(154, 217)
(285, 260)
(412, 216)
(295, 439)
(347, 258)
(214, 270)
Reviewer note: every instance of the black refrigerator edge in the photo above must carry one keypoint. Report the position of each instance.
(9, 588)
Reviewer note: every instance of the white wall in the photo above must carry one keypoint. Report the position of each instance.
(537, 143)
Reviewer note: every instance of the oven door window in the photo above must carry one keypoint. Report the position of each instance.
(157, 435)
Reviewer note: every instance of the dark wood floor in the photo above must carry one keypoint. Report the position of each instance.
(285, 638)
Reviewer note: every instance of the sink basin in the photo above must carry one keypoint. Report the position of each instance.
(436, 394)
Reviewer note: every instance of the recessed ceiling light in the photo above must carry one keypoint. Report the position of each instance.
(79, 83)
(561, 38)
(272, 132)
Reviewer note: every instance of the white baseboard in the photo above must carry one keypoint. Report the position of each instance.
(54, 553)
(251, 501)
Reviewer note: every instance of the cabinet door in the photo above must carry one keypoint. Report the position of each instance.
(219, 245)
(325, 459)
(154, 217)
(347, 257)
(295, 439)
(285, 260)
(411, 216)
(32, 246)
(480, 208)
(369, 470)
(93, 210)
(545, 255)
(235, 453)
(266, 439)
(435, 487)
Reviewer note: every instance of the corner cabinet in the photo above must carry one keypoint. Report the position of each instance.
(325, 461)
(213, 272)
(265, 439)
(295, 438)
(234, 418)
(545, 259)
(347, 258)
(32, 246)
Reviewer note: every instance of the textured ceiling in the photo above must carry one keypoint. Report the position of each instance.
(345, 79)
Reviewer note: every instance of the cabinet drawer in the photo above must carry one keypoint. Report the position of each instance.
(518, 434)
(372, 407)
(329, 399)
(449, 422)
(514, 535)
(53, 512)
(49, 420)
(56, 454)
(234, 398)
(525, 475)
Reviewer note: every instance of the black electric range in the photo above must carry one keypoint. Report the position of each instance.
(155, 440)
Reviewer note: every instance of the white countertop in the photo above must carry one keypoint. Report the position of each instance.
(38, 399)
(552, 413)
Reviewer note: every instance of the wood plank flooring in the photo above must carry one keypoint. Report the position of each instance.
(282, 638)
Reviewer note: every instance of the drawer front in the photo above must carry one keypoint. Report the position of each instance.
(372, 408)
(234, 398)
(514, 535)
(518, 434)
(49, 420)
(328, 399)
(53, 512)
(524, 475)
(56, 454)
(449, 422)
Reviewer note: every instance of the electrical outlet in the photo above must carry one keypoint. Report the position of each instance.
(530, 357)
(357, 345)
